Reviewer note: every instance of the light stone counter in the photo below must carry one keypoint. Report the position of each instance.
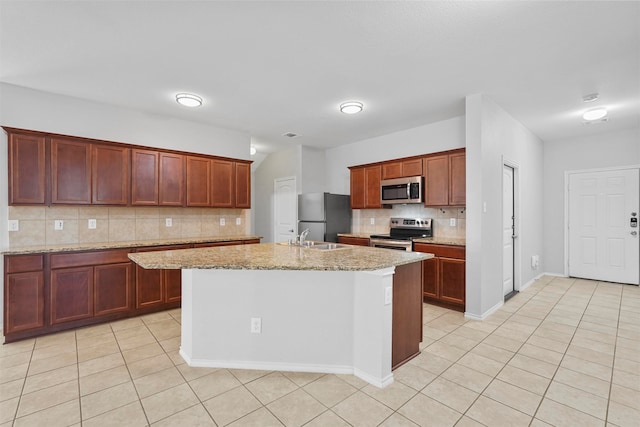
(69, 247)
(441, 241)
(275, 256)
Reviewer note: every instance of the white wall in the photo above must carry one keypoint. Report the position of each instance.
(439, 136)
(492, 137)
(282, 164)
(612, 149)
(313, 170)
(36, 110)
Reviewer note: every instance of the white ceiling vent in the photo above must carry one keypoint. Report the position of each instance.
(290, 135)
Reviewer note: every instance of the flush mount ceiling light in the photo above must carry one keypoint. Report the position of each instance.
(595, 114)
(253, 150)
(351, 107)
(188, 100)
(591, 97)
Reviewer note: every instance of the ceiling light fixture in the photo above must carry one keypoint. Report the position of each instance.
(351, 107)
(188, 100)
(253, 150)
(595, 114)
(591, 97)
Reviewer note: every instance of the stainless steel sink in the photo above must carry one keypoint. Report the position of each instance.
(321, 246)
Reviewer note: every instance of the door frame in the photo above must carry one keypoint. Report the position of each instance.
(517, 264)
(274, 224)
(566, 203)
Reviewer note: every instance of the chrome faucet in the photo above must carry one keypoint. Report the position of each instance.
(303, 237)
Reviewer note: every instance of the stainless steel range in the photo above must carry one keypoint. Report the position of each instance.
(402, 233)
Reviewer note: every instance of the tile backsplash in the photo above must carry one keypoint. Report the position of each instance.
(361, 219)
(121, 224)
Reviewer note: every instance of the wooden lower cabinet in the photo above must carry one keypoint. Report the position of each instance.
(356, 241)
(112, 288)
(407, 313)
(443, 277)
(23, 293)
(158, 287)
(71, 294)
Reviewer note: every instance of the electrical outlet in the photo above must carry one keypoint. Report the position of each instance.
(372, 221)
(168, 222)
(535, 261)
(222, 222)
(92, 224)
(238, 221)
(452, 222)
(14, 225)
(388, 295)
(256, 325)
(58, 224)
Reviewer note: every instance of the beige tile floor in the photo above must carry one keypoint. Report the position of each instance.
(563, 352)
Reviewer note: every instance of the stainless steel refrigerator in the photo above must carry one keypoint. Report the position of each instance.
(325, 215)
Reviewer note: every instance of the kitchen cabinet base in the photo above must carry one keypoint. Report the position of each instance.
(444, 304)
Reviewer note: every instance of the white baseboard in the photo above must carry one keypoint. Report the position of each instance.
(485, 314)
(380, 383)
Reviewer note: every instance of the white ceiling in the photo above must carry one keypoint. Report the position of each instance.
(267, 68)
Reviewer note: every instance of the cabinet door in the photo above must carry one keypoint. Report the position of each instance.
(70, 172)
(372, 183)
(436, 177)
(357, 241)
(412, 167)
(171, 180)
(27, 169)
(110, 175)
(198, 181)
(243, 185)
(452, 280)
(173, 285)
(223, 179)
(430, 277)
(357, 188)
(71, 294)
(24, 301)
(457, 179)
(392, 170)
(144, 177)
(149, 287)
(112, 288)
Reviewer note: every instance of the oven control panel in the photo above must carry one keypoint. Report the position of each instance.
(419, 223)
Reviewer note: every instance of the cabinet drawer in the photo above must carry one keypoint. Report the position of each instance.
(163, 248)
(23, 263)
(445, 251)
(89, 258)
(357, 241)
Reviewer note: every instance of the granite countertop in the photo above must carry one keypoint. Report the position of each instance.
(277, 256)
(433, 240)
(117, 245)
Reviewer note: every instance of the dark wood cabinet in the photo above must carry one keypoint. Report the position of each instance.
(23, 293)
(144, 177)
(457, 179)
(223, 187)
(112, 288)
(110, 175)
(156, 287)
(444, 275)
(27, 169)
(356, 241)
(71, 294)
(171, 179)
(365, 187)
(243, 185)
(70, 172)
(436, 180)
(407, 313)
(198, 181)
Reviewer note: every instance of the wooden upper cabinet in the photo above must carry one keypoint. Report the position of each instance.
(399, 169)
(70, 172)
(457, 179)
(357, 188)
(223, 183)
(27, 169)
(172, 188)
(144, 177)
(110, 175)
(372, 177)
(198, 181)
(436, 177)
(243, 185)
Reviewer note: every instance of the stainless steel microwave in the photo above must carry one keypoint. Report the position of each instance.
(401, 190)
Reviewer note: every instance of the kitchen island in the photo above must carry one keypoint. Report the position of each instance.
(350, 310)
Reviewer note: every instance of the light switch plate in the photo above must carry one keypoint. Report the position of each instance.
(58, 224)
(14, 225)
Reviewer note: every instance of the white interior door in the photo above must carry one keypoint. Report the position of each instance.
(285, 209)
(508, 229)
(603, 244)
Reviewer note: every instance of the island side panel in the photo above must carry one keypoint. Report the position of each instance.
(307, 319)
(407, 313)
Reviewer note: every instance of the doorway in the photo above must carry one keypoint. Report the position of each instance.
(285, 209)
(508, 231)
(602, 226)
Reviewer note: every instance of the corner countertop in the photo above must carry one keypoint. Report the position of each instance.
(277, 256)
(119, 245)
(432, 240)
